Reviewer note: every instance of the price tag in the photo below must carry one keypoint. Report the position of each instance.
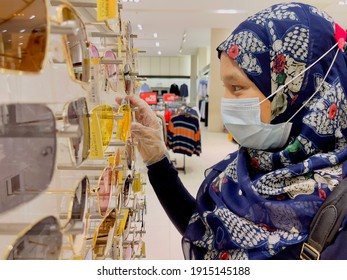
(96, 149)
(106, 9)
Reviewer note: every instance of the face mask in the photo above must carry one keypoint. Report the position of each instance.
(241, 118)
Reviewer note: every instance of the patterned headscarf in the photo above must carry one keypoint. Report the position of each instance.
(256, 203)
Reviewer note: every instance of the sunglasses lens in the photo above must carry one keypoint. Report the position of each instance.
(79, 201)
(23, 36)
(112, 70)
(77, 115)
(126, 190)
(42, 242)
(105, 190)
(102, 240)
(127, 78)
(105, 117)
(123, 125)
(28, 149)
(94, 51)
(77, 46)
(129, 150)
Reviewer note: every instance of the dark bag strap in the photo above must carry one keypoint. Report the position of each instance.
(326, 223)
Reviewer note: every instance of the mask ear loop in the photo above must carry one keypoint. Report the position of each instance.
(320, 85)
(297, 76)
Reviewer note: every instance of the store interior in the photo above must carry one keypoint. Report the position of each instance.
(73, 185)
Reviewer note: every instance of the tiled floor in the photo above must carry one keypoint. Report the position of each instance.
(162, 239)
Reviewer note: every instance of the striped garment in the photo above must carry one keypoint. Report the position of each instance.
(183, 134)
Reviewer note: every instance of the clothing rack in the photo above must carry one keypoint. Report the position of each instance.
(183, 168)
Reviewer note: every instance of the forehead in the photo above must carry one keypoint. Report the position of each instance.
(229, 68)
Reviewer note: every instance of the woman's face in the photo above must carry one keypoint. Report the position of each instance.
(238, 85)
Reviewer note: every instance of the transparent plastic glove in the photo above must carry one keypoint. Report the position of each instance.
(147, 131)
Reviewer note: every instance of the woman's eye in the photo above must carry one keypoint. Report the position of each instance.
(235, 88)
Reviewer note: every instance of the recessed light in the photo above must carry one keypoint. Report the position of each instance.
(229, 11)
(139, 26)
(157, 44)
(159, 52)
(155, 35)
(22, 31)
(5, 30)
(32, 17)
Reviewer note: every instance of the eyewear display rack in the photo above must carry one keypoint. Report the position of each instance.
(70, 183)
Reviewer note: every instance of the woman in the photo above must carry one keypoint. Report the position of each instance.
(285, 79)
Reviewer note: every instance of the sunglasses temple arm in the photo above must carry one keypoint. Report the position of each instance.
(65, 28)
(69, 131)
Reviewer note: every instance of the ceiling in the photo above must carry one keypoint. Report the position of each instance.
(171, 19)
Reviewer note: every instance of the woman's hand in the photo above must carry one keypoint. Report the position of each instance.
(147, 131)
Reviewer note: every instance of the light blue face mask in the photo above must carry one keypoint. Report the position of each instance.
(241, 118)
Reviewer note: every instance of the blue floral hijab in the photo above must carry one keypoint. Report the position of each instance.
(255, 204)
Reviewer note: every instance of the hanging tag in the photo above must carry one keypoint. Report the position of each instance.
(122, 221)
(106, 9)
(96, 149)
(137, 183)
(93, 93)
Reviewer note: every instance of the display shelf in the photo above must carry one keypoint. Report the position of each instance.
(77, 215)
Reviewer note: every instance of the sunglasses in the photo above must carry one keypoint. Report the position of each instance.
(111, 70)
(75, 221)
(28, 141)
(123, 124)
(102, 120)
(39, 241)
(128, 81)
(130, 154)
(126, 191)
(24, 38)
(103, 235)
(108, 185)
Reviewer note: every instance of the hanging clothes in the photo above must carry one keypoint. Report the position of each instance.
(174, 89)
(203, 89)
(145, 88)
(184, 90)
(184, 134)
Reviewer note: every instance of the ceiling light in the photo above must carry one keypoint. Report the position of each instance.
(22, 31)
(155, 35)
(5, 30)
(342, 3)
(229, 12)
(159, 52)
(157, 44)
(139, 26)
(32, 17)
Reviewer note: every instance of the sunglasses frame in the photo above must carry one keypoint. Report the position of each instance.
(60, 19)
(110, 234)
(21, 237)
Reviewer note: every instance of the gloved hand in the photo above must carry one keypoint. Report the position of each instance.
(147, 131)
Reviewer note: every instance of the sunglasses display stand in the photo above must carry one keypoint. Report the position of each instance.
(102, 218)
